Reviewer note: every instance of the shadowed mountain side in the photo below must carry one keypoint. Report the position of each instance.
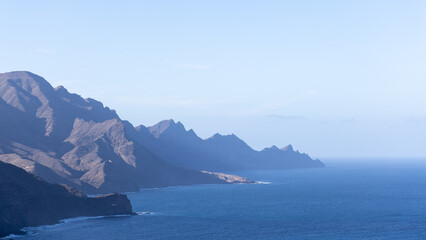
(26, 200)
(217, 153)
(64, 138)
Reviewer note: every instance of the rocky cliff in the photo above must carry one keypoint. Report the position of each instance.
(26, 200)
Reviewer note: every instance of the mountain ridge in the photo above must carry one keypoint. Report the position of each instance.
(64, 138)
(218, 152)
(67, 139)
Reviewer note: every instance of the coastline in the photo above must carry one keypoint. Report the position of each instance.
(33, 230)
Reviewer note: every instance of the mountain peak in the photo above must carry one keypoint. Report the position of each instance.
(25, 91)
(230, 140)
(288, 148)
(216, 135)
(61, 88)
(20, 74)
(273, 148)
(165, 125)
(228, 136)
(28, 81)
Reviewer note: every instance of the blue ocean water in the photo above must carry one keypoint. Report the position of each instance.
(351, 199)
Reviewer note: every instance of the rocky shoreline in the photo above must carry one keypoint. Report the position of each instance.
(28, 201)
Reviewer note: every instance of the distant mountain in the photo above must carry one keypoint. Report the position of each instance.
(66, 139)
(173, 143)
(26, 200)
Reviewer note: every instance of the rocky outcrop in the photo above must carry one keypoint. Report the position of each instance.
(26, 200)
(173, 143)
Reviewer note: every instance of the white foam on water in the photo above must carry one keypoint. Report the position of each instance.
(77, 219)
(144, 213)
(11, 236)
(259, 182)
(34, 230)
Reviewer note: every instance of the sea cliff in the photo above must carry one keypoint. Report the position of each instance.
(26, 200)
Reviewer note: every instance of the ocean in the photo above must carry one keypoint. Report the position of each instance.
(349, 199)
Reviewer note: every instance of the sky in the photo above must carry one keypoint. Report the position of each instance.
(333, 78)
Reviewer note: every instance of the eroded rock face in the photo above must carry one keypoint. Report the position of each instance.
(26, 200)
(66, 139)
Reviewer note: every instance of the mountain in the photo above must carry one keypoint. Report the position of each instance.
(173, 143)
(63, 138)
(26, 200)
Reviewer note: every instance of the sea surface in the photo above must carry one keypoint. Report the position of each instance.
(350, 199)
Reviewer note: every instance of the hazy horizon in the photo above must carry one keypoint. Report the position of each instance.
(342, 79)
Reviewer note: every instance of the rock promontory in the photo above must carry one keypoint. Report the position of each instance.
(28, 201)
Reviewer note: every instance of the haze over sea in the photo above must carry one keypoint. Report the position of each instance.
(350, 199)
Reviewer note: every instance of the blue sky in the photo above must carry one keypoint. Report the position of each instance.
(334, 78)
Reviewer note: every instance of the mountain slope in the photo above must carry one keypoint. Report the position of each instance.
(26, 200)
(217, 153)
(64, 138)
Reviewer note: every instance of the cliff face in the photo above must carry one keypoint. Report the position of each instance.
(26, 200)
(217, 153)
(66, 139)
